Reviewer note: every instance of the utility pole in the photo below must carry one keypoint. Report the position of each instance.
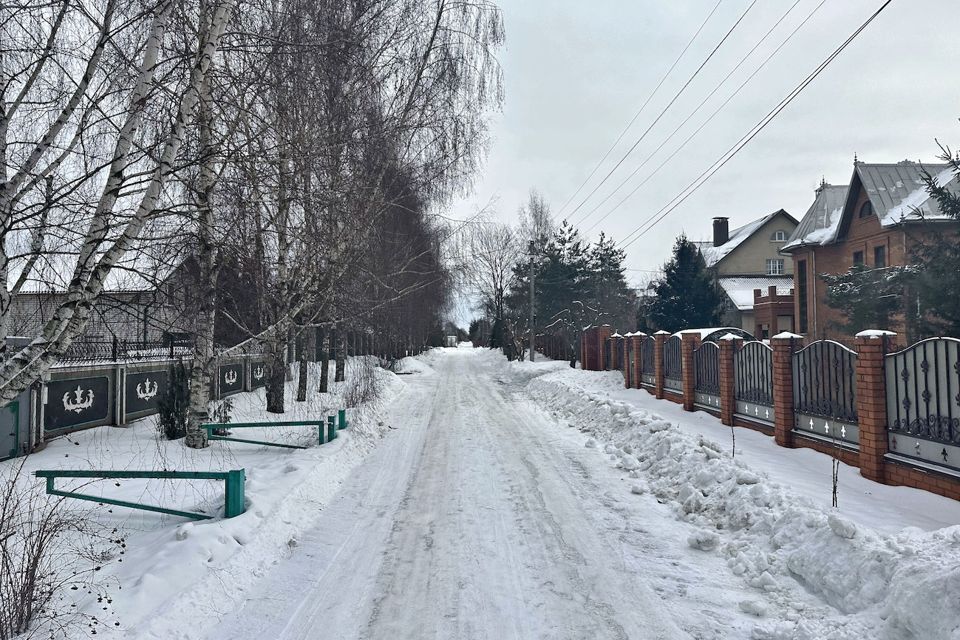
(532, 305)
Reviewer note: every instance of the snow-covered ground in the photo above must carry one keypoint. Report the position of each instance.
(884, 565)
(527, 500)
(173, 571)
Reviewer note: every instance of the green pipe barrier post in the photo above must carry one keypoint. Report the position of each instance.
(342, 418)
(331, 429)
(234, 501)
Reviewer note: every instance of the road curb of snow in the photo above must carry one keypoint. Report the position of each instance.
(886, 586)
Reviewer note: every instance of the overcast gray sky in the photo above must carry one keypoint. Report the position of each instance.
(576, 71)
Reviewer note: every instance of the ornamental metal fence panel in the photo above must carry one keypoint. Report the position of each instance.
(673, 364)
(825, 392)
(648, 357)
(923, 402)
(706, 365)
(753, 382)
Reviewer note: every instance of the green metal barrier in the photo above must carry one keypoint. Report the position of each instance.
(233, 493)
(324, 436)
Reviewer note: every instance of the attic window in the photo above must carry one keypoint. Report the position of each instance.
(866, 210)
(779, 236)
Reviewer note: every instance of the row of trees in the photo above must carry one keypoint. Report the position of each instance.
(575, 283)
(285, 155)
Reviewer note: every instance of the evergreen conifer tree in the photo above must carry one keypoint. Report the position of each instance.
(687, 297)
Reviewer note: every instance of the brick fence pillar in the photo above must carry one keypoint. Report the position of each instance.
(784, 345)
(728, 399)
(660, 338)
(872, 403)
(603, 334)
(637, 340)
(689, 343)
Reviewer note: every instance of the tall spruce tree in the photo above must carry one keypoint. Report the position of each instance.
(687, 296)
(614, 301)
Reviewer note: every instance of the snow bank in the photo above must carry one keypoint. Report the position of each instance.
(904, 585)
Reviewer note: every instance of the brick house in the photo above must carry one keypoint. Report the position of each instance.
(750, 258)
(874, 220)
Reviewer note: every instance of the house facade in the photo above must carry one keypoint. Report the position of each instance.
(875, 220)
(750, 258)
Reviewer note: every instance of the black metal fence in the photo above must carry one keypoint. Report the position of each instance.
(753, 381)
(825, 391)
(117, 350)
(923, 401)
(673, 363)
(706, 366)
(648, 360)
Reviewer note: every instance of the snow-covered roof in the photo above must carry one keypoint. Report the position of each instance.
(712, 255)
(822, 220)
(896, 191)
(740, 288)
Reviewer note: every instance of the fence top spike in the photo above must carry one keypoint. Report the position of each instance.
(786, 335)
(875, 333)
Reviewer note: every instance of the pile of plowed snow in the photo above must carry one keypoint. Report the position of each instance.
(905, 585)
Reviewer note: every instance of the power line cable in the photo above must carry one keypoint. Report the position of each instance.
(667, 108)
(695, 111)
(640, 110)
(740, 144)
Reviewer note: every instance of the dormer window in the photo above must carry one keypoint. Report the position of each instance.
(779, 236)
(866, 210)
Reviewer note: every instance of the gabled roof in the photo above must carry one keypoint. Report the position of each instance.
(897, 191)
(822, 220)
(713, 255)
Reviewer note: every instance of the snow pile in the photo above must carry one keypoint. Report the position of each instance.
(904, 585)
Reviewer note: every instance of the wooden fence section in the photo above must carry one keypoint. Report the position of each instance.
(896, 415)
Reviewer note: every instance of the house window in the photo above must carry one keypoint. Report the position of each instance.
(858, 258)
(779, 236)
(880, 257)
(866, 210)
(775, 267)
(802, 294)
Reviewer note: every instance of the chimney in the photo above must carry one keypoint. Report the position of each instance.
(721, 231)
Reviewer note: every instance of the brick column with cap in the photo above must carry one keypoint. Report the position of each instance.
(689, 343)
(603, 334)
(871, 348)
(660, 338)
(728, 397)
(784, 418)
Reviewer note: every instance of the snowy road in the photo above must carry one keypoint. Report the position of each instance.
(479, 517)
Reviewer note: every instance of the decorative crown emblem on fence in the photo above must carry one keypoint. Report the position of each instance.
(147, 389)
(75, 400)
(258, 372)
(230, 377)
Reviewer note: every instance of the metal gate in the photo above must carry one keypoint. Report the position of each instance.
(648, 373)
(923, 402)
(673, 364)
(825, 391)
(753, 382)
(706, 365)
(10, 430)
